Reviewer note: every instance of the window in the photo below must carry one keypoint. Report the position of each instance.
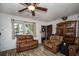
(18, 28)
(23, 28)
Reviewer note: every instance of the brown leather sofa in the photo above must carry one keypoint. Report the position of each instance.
(25, 42)
(53, 43)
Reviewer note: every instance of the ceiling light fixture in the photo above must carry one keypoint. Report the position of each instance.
(64, 18)
(31, 7)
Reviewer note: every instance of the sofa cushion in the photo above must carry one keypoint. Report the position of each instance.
(29, 40)
(24, 45)
(20, 41)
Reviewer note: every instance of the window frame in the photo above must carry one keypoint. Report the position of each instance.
(24, 23)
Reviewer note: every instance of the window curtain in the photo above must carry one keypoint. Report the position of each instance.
(13, 32)
(34, 29)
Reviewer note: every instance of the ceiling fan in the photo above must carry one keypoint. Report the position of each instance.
(32, 7)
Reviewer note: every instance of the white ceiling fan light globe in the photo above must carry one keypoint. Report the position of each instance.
(31, 7)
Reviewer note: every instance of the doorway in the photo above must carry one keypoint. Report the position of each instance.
(49, 31)
(46, 32)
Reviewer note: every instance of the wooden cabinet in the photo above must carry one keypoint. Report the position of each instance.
(72, 50)
(67, 29)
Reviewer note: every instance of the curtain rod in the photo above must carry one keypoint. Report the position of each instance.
(22, 21)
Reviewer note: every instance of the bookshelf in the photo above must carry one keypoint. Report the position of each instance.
(67, 29)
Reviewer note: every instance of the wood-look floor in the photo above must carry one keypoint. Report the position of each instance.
(40, 51)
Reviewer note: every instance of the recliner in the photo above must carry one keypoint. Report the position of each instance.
(53, 43)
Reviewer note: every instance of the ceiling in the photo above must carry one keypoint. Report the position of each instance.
(55, 10)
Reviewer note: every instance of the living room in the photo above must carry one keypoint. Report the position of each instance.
(10, 17)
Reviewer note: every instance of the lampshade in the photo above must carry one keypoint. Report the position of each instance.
(31, 7)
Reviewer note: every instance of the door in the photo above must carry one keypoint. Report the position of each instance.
(49, 31)
(46, 32)
(43, 33)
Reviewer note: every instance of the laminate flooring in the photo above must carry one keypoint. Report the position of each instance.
(40, 51)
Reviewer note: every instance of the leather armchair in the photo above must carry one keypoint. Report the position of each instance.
(53, 43)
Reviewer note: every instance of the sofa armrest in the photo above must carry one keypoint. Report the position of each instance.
(36, 41)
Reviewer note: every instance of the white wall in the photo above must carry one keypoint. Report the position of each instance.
(6, 41)
(73, 17)
(78, 26)
(0, 31)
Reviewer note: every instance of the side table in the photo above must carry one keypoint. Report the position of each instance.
(72, 50)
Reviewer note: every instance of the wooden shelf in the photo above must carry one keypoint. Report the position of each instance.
(68, 30)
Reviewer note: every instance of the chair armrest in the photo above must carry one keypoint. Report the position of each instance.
(45, 41)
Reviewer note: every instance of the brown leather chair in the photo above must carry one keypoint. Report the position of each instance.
(25, 42)
(53, 43)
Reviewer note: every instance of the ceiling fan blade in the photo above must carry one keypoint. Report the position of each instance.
(36, 3)
(33, 13)
(23, 4)
(27, 4)
(22, 9)
(41, 8)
